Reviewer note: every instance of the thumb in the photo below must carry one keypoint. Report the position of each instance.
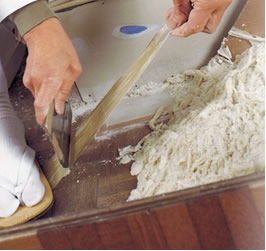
(175, 18)
(171, 19)
(63, 93)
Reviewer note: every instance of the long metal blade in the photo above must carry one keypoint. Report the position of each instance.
(101, 112)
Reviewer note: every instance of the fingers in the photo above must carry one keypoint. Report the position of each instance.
(67, 84)
(45, 90)
(52, 88)
(214, 21)
(175, 17)
(43, 98)
(203, 16)
(193, 25)
(30, 77)
(35, 83)
(52, 66)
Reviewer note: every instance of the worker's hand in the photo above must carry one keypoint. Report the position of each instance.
(191, 16)
(52, 66)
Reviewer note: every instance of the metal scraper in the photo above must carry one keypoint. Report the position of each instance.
(101, 112)
(58, 127)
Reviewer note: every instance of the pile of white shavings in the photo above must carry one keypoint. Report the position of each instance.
(215, 129)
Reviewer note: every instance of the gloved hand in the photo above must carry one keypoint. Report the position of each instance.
(192, 16)
(52, 66)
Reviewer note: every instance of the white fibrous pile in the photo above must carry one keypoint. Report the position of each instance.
(215, 129)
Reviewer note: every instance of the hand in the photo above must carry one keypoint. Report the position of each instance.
(191, 16)
(52, 66)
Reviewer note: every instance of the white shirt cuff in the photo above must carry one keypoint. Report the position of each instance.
(7, 7)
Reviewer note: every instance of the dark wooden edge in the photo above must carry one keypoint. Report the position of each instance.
(143, 205)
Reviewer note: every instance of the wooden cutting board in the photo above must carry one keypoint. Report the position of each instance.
(251, 20)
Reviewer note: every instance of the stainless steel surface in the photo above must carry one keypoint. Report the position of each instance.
(104, 57)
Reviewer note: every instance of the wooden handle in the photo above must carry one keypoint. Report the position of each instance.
(97, 117)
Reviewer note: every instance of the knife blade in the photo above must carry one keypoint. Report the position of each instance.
(58, 128)
(97, 117)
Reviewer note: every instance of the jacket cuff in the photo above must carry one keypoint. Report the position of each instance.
(31, 15)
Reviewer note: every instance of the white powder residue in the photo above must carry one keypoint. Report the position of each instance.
(80, 108)
(151, 88)
(215, 129)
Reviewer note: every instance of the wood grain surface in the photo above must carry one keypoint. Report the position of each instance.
(227, 221)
